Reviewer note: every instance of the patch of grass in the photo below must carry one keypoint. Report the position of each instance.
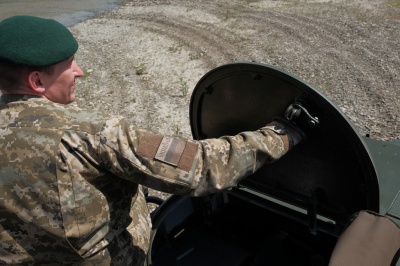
(86, 73)
(183, 86)
(141, 69)
(193, 56)
(394, 3)
(176, 131)
(173, 49)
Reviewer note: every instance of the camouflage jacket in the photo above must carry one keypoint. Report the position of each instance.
(70, 180)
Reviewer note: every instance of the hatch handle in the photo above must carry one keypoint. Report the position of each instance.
(294, 111)
(312, 214)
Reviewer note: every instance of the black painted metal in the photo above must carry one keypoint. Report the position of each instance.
(332, 170)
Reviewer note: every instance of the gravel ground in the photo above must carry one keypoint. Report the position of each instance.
(143, 59)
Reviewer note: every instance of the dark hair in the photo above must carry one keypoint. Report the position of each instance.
(12, 76)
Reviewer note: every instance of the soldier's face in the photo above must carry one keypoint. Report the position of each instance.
(60, 85)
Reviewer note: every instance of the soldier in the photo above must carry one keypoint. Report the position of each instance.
(70, 178)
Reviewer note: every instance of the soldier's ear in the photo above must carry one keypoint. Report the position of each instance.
(35, 83)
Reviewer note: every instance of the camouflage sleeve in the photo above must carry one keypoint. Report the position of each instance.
(181, 166)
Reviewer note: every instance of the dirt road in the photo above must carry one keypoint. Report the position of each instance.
(144, 59)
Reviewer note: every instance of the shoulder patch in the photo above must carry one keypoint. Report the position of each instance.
(149, 144)
(172, 151)
(188, 156)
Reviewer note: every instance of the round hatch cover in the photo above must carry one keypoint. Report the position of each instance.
(333, 168)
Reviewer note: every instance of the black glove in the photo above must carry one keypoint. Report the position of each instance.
(296, 135)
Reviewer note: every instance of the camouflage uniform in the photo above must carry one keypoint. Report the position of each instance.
(69, 190)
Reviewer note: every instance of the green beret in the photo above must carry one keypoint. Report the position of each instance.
(34, 41)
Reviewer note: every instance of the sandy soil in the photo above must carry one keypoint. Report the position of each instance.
(144, 59)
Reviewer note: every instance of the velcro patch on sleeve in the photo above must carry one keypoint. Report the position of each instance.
(188, 156)
(170, 150)
(149, 144)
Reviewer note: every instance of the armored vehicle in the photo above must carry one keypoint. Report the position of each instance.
(290, 212)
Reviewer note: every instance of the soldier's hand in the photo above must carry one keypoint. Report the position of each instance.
(295, 133)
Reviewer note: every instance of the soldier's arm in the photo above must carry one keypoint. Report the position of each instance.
(191, 167)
